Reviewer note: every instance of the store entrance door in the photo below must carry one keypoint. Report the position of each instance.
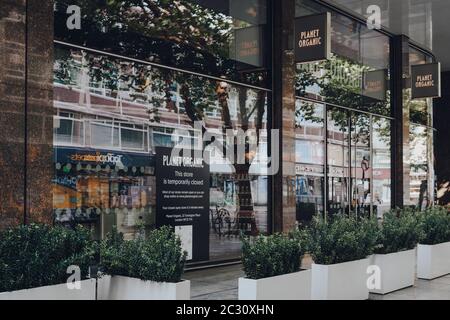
(349, 169)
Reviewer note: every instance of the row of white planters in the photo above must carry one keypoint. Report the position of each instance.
(340, 281)
(350, 280)
(332, 282)
(108, 288)
(433, 261)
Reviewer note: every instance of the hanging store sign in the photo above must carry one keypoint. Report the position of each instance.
(375, 84)
(182, 200)
(312, 38)
(248, 44)
(426, 81)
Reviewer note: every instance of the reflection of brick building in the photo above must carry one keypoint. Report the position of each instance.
(95, 122)
(55, 123)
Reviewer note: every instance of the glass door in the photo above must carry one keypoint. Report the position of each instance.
(338, 161)
(361, 166)
(349, 163)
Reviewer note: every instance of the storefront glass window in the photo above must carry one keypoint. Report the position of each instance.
(219, 38)
(357, 75)
(361, 168)
(351, 91)
(381, 141)
(422, 181)
(105, 167)
(419, 109)
(338, 184)
(419, 190)
(409, 17)
(309, 160)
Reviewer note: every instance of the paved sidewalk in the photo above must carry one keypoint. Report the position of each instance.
(221, 284)
(437, 289)
(216, 283)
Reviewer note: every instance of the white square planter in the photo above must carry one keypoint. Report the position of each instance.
(55, 292)
(433, 261)
(292, 286)
(398, 270)
(126, 288)
(342, 281)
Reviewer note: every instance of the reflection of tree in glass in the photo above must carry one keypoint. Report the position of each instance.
(155, 87)
(418, 112)
(418, 143)
(382, 130)
(343, 89)
(180, 33)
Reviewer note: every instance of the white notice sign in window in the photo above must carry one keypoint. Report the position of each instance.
(185, 234)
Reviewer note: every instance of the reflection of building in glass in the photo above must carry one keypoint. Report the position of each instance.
(106, 129)
(134, 79)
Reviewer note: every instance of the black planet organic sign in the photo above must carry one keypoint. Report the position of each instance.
(426, 81)
(312, 38)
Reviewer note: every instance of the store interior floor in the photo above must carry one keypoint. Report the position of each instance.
(221, 283)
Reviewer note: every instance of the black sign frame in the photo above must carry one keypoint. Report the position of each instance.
(380, 75)
(174, 206)
(315, 32)
(431, 72)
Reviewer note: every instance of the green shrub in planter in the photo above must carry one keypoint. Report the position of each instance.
(158, 258)
(269, 256)
(436, 226)
(400, 230)
(341, 239)
(38, 255)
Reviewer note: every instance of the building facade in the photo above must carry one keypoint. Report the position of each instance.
(91, 90)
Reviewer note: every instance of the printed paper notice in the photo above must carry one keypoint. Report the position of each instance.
(185, 234)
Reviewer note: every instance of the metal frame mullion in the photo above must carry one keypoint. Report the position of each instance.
(325, 172)
(349, 177)
(371, 166)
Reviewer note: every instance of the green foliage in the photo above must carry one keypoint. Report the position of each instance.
(158, 258)
(183, 23)
(436, 226)
(38, 255)
(341, 239)
(269, 256)
(301, 235)
(400, 230)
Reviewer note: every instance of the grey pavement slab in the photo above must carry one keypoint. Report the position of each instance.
(222, 284)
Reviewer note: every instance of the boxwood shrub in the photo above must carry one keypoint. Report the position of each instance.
(341, 239)
(269, 256)
(38, 255)
(436, 226)
(399, 230)
(157, 258)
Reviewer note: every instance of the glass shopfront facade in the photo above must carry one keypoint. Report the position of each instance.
(422, 180)
(345, 122)
(137, 76)
(128, 81)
